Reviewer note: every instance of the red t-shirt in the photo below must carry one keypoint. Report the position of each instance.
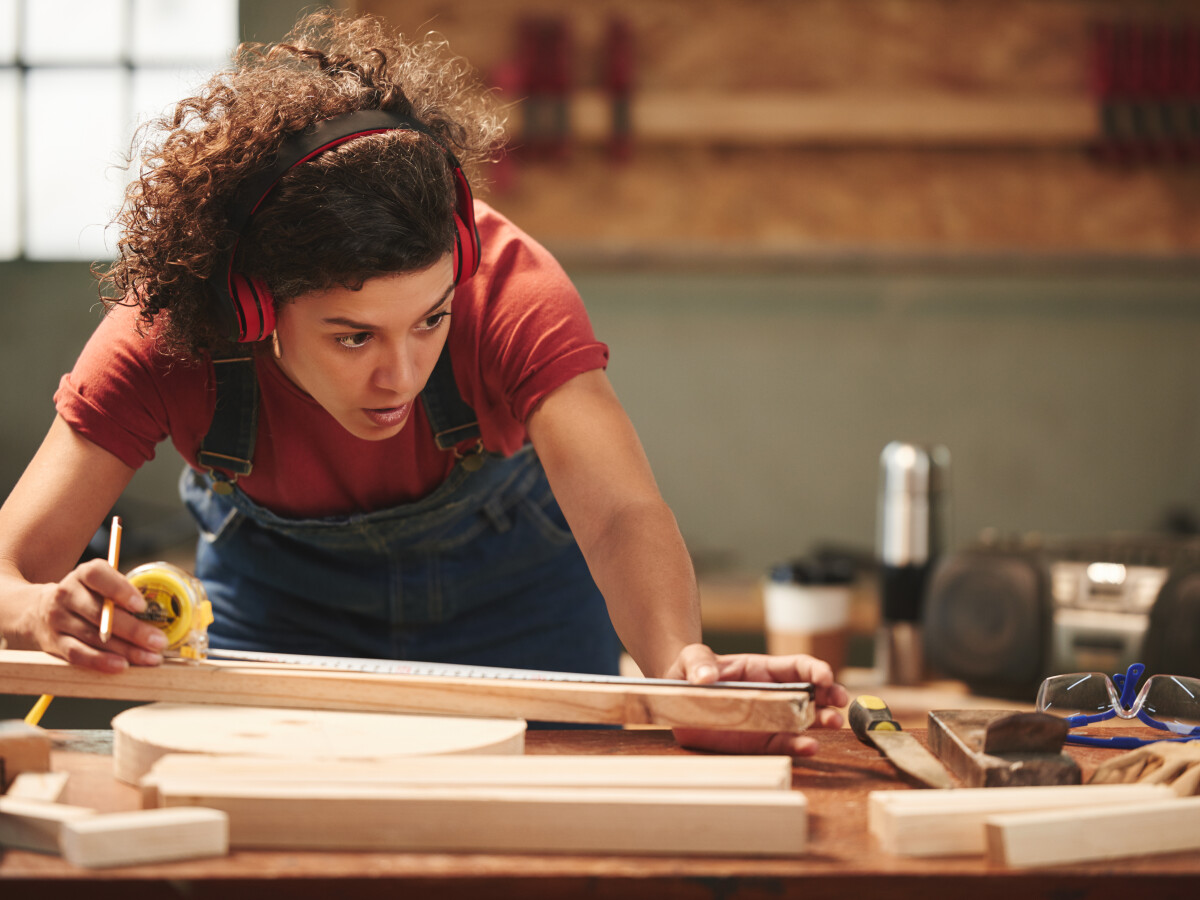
(519, 330)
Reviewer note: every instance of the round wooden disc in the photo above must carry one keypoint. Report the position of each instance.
(143, 734)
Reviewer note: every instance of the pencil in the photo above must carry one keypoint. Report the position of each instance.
(35, 714)
(114, 556)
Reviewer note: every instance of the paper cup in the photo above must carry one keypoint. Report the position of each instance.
(807, 618)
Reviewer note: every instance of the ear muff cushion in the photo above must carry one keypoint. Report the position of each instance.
(467, 241)
(253, 305)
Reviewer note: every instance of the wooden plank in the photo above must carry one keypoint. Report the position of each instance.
(844, 117)
(23, 748)
(1025, 840)
(269, 685)
(146, 836)
(176, 771)
(34, 824)
(496, 819)
(951, 823)
(45, 786)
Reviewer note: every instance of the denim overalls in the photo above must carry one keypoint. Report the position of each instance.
(483, 571)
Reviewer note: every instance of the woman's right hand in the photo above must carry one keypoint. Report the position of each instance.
(66, 620)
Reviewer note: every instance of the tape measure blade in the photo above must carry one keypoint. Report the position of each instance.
(450, 670)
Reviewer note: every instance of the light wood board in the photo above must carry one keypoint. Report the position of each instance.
(514, 819)
(951, 823)
(147, 836)
(23, 748)
(35, 824)
(1054, 837)
(142, 734)
(272, 685)
(178, 773)
(45, 786)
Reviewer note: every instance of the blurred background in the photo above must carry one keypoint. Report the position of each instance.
(805, 228)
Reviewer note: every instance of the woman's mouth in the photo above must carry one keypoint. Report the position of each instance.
(390, 416)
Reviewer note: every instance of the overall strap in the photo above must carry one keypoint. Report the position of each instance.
(227, 451)
(451, 419)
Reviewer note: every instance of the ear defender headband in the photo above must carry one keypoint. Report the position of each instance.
(245, 304)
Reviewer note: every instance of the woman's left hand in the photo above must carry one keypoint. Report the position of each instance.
(698, 664)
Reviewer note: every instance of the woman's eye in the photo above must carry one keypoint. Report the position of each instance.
(354, 341)
(434, 321)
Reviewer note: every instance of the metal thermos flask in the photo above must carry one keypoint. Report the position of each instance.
(912, 525)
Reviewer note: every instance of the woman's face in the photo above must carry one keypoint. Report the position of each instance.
(365, 355)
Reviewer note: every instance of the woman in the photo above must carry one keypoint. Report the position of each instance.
(389, 398)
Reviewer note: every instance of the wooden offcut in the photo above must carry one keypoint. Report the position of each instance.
(142, 734)
(317, 816)
(146, 836)
(23, 748)
(1026, 840)
(35, 824)
(273, 685)
(45, 786)
(951, 823)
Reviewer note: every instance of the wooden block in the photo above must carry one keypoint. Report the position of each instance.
(45, 786)
(957, 737)
(1024, 840)
(951, 823)
(316, 816)
(35, 824)
(23, 748)
(146, 836)
(142, 734)
(178, 770)
(275, 685)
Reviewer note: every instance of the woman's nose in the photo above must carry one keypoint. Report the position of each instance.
(396, 372)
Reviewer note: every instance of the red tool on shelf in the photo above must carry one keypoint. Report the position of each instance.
(544, 51)
(618, 80)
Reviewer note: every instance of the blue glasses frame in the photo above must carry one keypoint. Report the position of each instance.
(1128, 705)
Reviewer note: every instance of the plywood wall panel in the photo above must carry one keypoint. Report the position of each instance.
(804, 199)
(801, 44)
(809, 202)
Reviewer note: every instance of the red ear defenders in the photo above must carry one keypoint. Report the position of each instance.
(244, 304)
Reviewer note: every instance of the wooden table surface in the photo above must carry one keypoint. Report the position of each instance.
(841, 861)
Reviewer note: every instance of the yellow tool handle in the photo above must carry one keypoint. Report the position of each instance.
(869, 713)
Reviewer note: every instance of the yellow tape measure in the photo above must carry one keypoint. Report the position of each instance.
(177, 603)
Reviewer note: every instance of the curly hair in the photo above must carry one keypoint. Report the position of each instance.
(376, 205)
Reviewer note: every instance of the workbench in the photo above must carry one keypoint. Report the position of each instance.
(841, 861)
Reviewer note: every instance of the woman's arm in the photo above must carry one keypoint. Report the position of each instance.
(46, 600)
(602, 480)
(628, 535)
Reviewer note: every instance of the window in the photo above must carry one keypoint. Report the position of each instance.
(76, 79)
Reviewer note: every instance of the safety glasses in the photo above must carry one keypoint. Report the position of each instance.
(1166, 702)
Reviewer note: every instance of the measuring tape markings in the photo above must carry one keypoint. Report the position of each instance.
(177, 603)
(451, 670)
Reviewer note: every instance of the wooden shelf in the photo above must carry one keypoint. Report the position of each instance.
(839, 117)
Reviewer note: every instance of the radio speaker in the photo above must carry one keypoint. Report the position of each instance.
(986, 619)
(1172, 644)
